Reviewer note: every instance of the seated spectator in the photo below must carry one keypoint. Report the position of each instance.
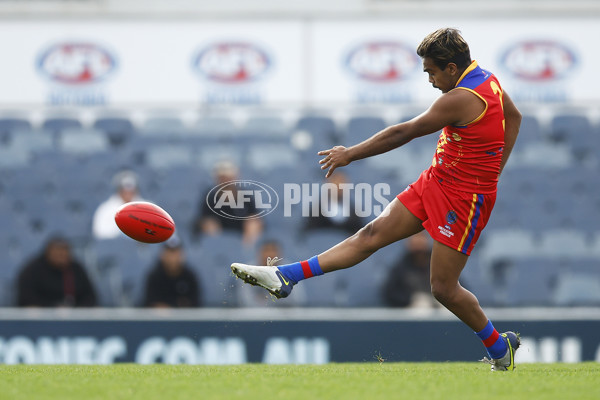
(55, 279)
(172, 283)
(211, 223)
(407, 284)
(103, 224)
(253, 296)
(343, 216)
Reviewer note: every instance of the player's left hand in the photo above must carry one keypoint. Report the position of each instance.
(336, 157)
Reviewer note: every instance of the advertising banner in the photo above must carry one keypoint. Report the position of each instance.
(306, 341)
(275, 62)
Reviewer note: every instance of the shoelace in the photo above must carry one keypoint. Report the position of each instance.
(272, 261)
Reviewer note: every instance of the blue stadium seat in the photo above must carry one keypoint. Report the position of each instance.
(214, 127)
(171, 156)
(162, 125)
(9, 125)
(361, 128)
(563, 243)
(33, 141)
(532, 282)
(118, 130)
(530, 131)
(265, 126)
(577, 132)
(578, 289)
(59, 124)
(271, 157)
(82, 141)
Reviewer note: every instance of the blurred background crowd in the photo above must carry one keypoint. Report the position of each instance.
(72, 152)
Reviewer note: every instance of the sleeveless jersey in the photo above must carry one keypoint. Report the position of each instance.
(468, 157)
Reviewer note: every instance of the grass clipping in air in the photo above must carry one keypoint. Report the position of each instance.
(447, 381)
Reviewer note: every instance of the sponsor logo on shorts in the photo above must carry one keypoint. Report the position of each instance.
(445, 231)
(451, 217)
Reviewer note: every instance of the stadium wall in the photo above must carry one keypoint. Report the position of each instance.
(284, 336)
(116, 63)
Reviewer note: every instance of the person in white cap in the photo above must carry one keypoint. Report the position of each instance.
(103, 224)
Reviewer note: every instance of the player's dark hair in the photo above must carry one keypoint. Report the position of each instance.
(445, 46)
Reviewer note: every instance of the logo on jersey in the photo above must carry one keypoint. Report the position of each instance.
(381, 62)
(232, 62)
(539, 60)
(76, 63)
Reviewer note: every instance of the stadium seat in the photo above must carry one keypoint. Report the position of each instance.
(578, 289)
(512, 244)
(530, 131)
(265, 126)
(214, 126)
(33, 141)
(162, 125)
(14, 158)
(82, 141)
(59, 124)
(563, 243)
(9, 125)
(531, 282)
(117, 130)
(577, 132)
(271, 157)
(361, 128)
(170, 156)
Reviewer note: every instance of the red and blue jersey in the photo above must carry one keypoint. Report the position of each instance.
(468, 157)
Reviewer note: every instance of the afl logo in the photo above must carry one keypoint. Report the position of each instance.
(233, 199)
(539, 60)
(384, 62)
(232, 62)
(76, 63)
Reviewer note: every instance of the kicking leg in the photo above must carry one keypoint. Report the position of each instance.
(393, 224)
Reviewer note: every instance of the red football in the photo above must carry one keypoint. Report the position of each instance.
(145, 222)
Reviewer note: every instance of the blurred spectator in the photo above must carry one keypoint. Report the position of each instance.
(253, 296)
(104, 226)
(341, 209)
(407, 284)
(210, 223)
(55, 279)
(172, 283)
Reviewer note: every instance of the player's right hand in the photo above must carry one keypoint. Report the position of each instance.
(335, 157)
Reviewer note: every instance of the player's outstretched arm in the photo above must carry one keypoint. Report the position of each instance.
(512, 118)
(450, 108)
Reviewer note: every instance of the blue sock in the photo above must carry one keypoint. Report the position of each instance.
(493, 342)
(301, 270)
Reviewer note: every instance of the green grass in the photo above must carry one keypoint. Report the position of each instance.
(447, 381)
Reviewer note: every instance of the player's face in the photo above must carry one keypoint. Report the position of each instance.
(440, 79)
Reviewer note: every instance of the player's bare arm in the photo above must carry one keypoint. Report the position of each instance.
(453, 108)
(512, 118)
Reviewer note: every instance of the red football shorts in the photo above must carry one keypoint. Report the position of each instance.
(451, 217)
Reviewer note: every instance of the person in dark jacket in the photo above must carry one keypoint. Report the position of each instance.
(55, 279)
(407, 284)
(172, 283)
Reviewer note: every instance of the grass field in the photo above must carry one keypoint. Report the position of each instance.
(446, 381)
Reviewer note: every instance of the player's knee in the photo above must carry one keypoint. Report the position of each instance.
(442, 291)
